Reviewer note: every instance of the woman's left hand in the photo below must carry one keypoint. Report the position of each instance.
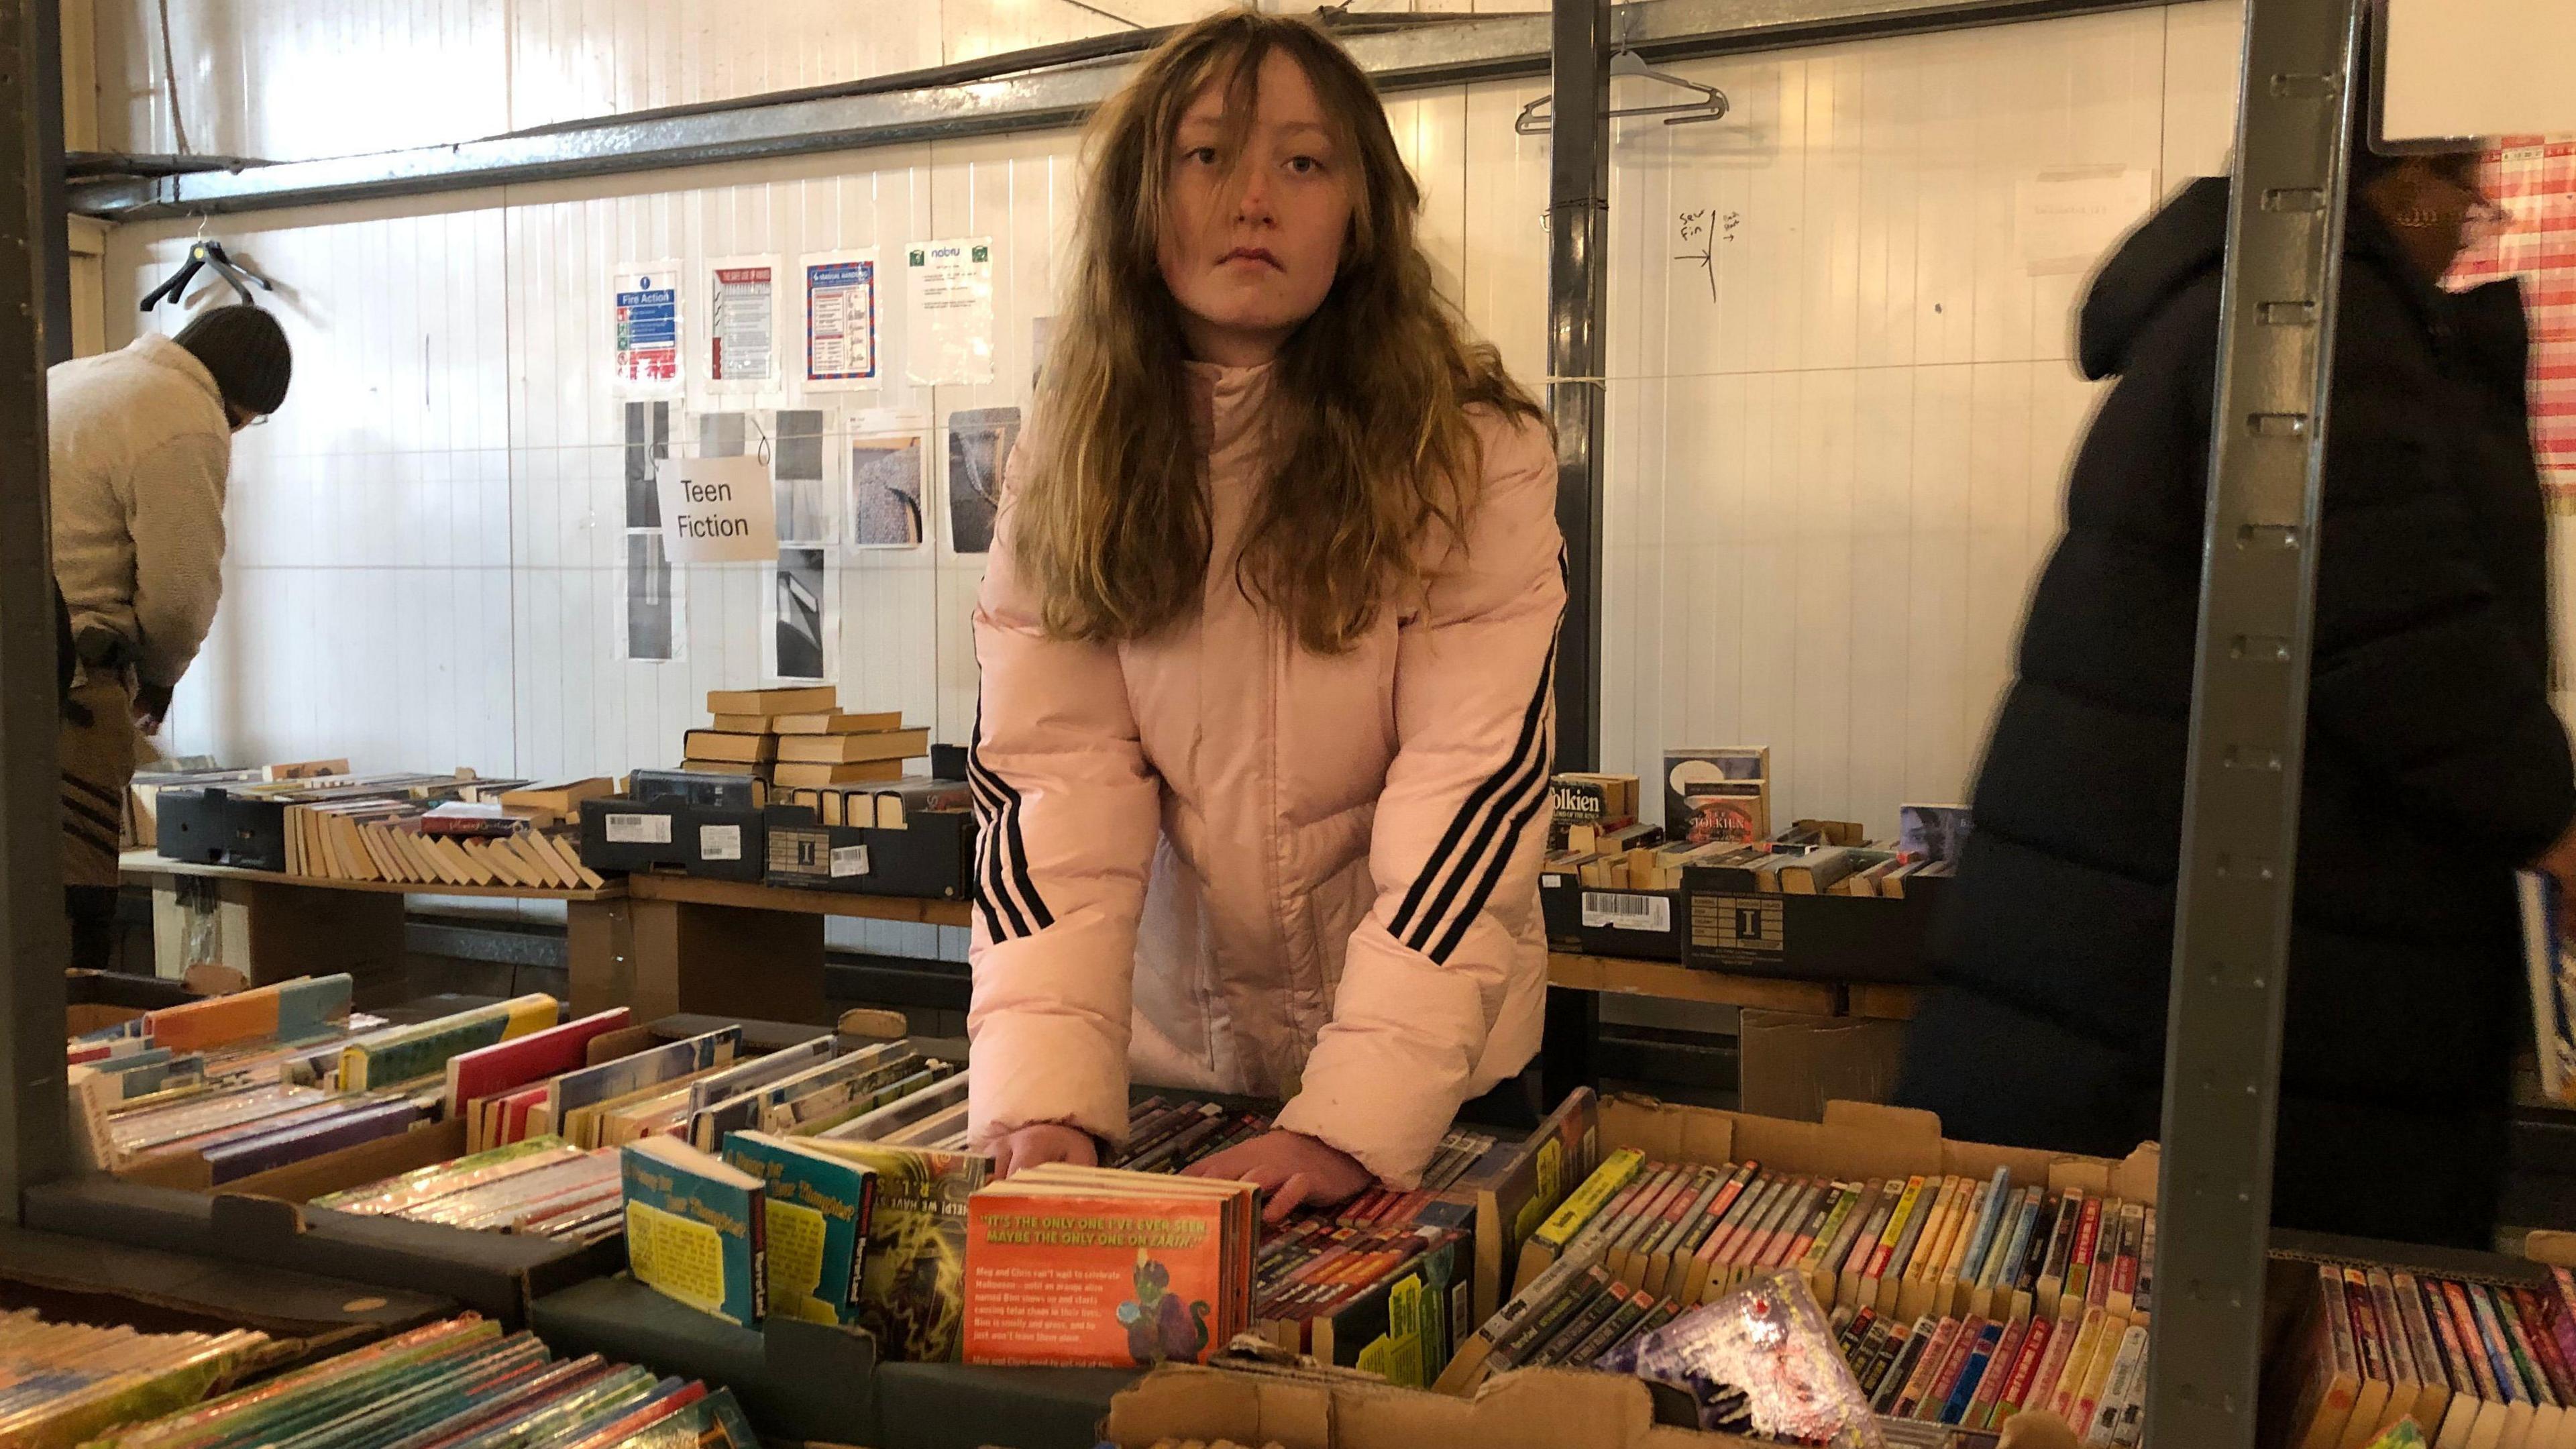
(1292, 1168)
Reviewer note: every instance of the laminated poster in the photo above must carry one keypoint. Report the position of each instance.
(718, 510)
(646, 315)
(648, 442)
(802, 612)
(885, 489)
(979, 443)
(840, 320)
(949, 287)
(742, 324)
(652, 611)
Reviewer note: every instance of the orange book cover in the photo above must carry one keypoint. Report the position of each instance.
(1078, 1269)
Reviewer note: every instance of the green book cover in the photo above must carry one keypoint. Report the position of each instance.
(912, 1281)
(696, 1229)
(411, 1053)
(819, 1206)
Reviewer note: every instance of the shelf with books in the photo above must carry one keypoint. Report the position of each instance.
(150, 864)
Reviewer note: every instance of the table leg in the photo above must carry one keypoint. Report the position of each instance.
(724, 961)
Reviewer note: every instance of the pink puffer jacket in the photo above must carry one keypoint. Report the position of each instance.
(1225, 862)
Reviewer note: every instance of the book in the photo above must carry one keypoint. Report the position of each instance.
(410, 1053)
(788, 699)
(1717, 794)
(897, 803)
(287, 1011)
(820, 1209)
(2550, 968)
(740, 749)
(815, 773)
(1069, 1265)
(558, 797)
(609, 1081)
(912, 1279)
(709, 1124)
(841, 749)
(696, 1229)
(834, 722)
(745, 724)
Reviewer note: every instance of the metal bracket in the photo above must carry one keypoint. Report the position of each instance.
(2249, 719)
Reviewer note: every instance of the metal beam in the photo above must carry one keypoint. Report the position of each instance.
(1471, 49)
(2249, 720)
(33, 945)
(1578, 252)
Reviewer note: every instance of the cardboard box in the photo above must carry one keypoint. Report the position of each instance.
(1533, 1409)
(1791, 1064)
(798, 1379)
(932, 857)
(623, 834)
(1729, 925)
(1855, 1140)
(1590, 921)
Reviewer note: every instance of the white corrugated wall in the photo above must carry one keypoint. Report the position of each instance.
(1833, 467)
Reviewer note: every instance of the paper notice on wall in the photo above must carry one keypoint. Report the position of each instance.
(840, 320)
(652, 610)
(2065, 220)
(645, 311)
(719, 510)
(803, 615)
(949, 290)
(742, 323)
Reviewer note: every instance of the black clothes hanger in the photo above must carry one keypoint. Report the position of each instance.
(201, 254)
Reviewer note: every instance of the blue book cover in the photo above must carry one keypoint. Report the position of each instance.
(697, 1229)
(1972, 1375)
(1981, 1240)
(820, 1209)
(593, 1085)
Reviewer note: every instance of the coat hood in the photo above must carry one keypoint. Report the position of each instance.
(2175, 248)
(2187, 240)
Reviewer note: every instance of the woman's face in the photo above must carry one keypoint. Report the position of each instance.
(1251, 243)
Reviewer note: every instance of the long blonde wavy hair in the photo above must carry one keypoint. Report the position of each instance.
(1372, 456)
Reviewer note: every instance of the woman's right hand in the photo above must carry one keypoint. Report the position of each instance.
(1022, 1148)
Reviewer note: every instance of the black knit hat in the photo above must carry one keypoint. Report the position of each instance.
(245, 350)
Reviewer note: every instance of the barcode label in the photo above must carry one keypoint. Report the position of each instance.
(849, 860)
(1627, 912)
(639, 829)
(719, 842)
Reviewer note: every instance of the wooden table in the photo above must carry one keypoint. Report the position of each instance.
(271, 927)
(678, 943)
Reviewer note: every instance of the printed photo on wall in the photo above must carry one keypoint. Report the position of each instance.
(653, 624)
(979, 442)
(885, 491)
(648, 442)
(791, 442)
(804, 617)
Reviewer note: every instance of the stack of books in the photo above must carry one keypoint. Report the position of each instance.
(543, 1187)
(143, 792)
(63, 1383)
(800, 738)
(2472, 1363)
(271, 1076)
(457, 1381)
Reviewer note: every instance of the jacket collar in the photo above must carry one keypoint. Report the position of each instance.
(160, 351)
(1225, 401)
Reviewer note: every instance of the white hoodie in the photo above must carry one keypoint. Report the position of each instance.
(141, 449)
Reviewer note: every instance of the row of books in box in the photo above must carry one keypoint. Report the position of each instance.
(2472, 1363)
(456, 829)
(1123, 1265)
(458, 1382)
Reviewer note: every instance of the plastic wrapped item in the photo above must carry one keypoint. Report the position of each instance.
(1761, 1363)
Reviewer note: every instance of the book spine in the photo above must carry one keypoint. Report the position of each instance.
(1963, 1390)
(1897, 1220)
(2043, 1381)
(1954, 1365)
(2079, 1261)
(2034, 1350)
(2473, 1344)
(1927, 1366)
(2513, 1367)
(1999, 1372)
(1838, 1213)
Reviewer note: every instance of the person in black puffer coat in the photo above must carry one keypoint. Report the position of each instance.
(2435, 766)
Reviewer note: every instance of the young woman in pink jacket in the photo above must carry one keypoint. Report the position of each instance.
(1267, 643)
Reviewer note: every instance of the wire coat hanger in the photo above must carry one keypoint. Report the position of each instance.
(1711, 105)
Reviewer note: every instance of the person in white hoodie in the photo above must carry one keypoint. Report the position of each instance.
(141, 449)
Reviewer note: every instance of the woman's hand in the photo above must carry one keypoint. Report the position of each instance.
(1022, 1148)
(1292, 1168)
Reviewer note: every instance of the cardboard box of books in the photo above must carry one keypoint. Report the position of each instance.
(1734, 919)
(1916, 1244)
